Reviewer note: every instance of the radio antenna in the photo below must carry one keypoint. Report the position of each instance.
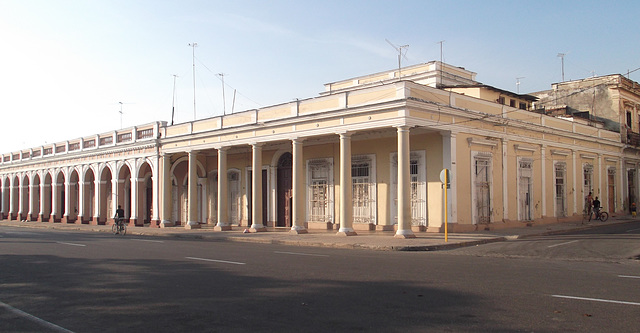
(401, 55)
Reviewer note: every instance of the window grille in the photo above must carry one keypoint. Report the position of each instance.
(560, 173)
(483, 186)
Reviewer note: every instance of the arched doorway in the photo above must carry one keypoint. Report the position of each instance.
(284, 191)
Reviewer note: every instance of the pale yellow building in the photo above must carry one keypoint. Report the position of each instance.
(366, 154)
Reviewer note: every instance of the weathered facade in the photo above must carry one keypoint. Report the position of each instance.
(364, 155)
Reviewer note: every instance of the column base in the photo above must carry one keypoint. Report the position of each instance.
(257, 228)
(192, 225)
(298, 230)
(404, 234)
(154, 224)
(346, 232)
(219, 227)
(166, 223)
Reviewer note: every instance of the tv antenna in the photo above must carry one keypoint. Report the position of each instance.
(173, 99)
(224, 103)
(121, 113)
(561, 56)
(193, 46)
(401, 55)
(518, 83)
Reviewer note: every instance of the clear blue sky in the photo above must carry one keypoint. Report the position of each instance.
(65, 65)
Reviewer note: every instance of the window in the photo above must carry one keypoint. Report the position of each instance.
(482, 188)
(363, 187)
(523, 106)
(525, 193)
(501, 100)
(320, 190)
(560, 184)
(512, 103)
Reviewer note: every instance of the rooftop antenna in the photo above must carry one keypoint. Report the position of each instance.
(561, 55)
(441, 62)
(193, 46)
(120, 114)
(173, 99)
(400, 55)
(518, 83)
(224, 103)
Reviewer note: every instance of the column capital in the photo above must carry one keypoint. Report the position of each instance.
(345, 134)
(256, 144)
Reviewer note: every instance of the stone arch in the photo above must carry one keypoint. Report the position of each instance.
(23, 208)
(105, 191)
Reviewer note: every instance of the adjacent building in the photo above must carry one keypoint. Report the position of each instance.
(366, 154)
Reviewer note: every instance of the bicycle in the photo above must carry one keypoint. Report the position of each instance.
(601, 215)
(119, 227)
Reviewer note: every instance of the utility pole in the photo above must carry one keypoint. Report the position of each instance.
(193, 46)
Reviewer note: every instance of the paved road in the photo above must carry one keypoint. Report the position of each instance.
(614, 243)
(94, 282)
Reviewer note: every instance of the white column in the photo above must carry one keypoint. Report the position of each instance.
(81, 201)
(346, 195)
(543, 153)
(192, 188)
(133, 212)
(404, 185)
(12, 198)
(67, 198)
(114, 195)
(223, 215)
(98, 199)
(575, 185)
(297, 227)
(505, 180)
(32, 201)
(54, 200)
(256, 189)
(21, 194)
(166, 192)
(156, 195)
(42, 200)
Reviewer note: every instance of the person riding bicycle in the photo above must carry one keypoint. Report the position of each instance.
(596, 208)
(119, 215)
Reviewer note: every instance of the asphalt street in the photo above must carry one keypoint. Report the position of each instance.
(61, 281)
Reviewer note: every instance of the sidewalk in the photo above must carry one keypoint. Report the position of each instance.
(383, 241)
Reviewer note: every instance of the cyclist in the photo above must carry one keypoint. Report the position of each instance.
(119, 216)
(596, 208)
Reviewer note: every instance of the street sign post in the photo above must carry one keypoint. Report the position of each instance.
(444, 178)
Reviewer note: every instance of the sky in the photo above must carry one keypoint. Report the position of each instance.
(75, 68)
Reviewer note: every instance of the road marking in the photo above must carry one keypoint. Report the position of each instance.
(147, 240)
(629, 276)
(34, 318)
(632, 230)
(565, 243)
(302, 254)
(214, 260)
(72, 244)
(596, 300)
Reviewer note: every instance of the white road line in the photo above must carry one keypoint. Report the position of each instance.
(632, 230)
(565, 243)
(302, 254)
(596, 300)
(629, 276)
(214, 260)
(147, 240)
(34, 318)
(72, 244)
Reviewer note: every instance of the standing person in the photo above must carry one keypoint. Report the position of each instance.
(588, 202)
